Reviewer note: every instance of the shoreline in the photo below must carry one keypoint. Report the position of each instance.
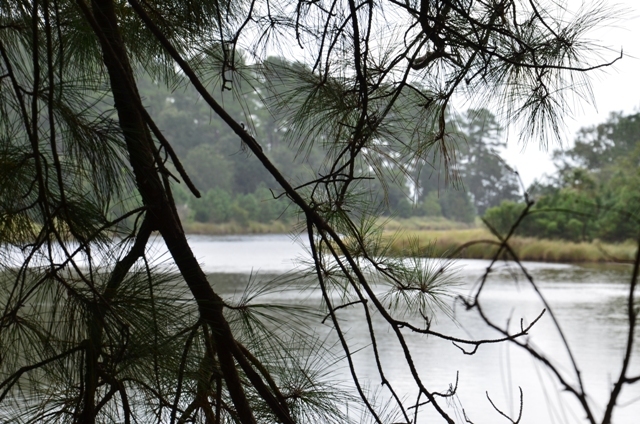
(441, 238)
(479, 243)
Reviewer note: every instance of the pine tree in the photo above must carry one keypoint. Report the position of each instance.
(91, 329)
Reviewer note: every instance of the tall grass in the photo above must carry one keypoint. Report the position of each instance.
(443, 238)
(479, 243)
(279, 227)
(423, 224)
(233, 227)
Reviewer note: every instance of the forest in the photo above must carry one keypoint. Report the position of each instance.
(590, 196)
(235, 187)
(593, 194)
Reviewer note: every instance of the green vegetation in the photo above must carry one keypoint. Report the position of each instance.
(422, 223)
(439, 237)
(593, 196)
(479, 243)
(233, 227)
(233, 183)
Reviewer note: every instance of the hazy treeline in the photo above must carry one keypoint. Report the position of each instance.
(235, 187)
(594, 193)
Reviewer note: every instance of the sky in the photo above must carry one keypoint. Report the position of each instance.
(615, 89)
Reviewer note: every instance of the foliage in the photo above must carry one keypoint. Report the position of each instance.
(484, 179)
(484, 174)
(480, 243)
(218, 206)
(593, 196)
(600, 147)
(478, 178)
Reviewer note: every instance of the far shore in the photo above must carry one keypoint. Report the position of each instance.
(479, 243)
(441, 238)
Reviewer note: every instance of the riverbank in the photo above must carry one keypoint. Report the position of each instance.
(279, 227)
(443, 238)
(479, 243)
(233, 228)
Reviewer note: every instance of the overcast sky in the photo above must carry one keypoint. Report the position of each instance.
(615, 89)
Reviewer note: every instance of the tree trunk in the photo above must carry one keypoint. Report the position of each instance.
(141, 151)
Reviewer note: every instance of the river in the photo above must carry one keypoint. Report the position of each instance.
(588, 301)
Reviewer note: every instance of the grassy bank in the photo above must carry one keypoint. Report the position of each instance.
(279, 227)
(417, 223)
(479, 243)
(233, 227)
(440, 237)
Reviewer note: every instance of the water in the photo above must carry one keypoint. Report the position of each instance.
(247, 254)
(589, 302)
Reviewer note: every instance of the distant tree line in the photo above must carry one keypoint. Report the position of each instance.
(594, 193)
(457, 186)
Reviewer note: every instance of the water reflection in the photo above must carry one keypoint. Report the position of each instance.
(589, 302)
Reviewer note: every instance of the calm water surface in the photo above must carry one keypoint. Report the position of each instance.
(588, 301)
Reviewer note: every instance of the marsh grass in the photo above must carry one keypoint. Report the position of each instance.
(234, 227)
(281, 227)
(479, 243)
(444, 238)
(418, 223)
